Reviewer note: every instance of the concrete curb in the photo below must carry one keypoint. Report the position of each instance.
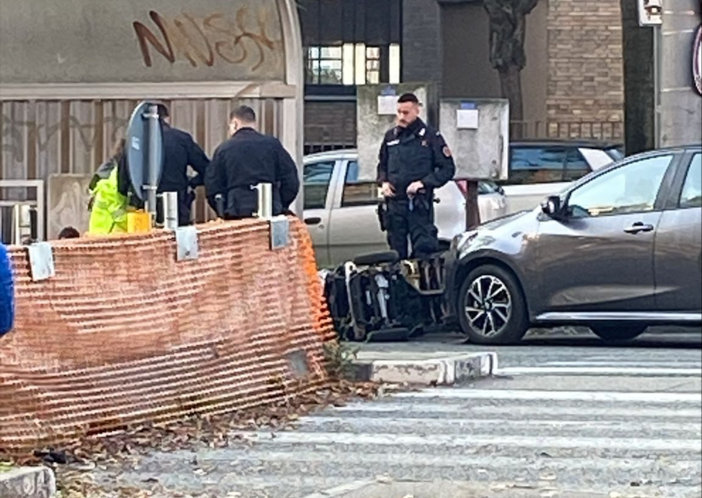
(28, 482)
(440, 371)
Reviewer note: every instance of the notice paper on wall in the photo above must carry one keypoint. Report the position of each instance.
(387, 105)
(467, 119)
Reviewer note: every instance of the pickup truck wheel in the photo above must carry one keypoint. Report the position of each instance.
(617, 334)
(491, 307)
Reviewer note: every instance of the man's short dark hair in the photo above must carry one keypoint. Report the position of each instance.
(243, 113)
(162, 111)
(69, 233)
(408, 97)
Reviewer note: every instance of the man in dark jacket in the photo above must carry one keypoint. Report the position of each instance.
(7, 293)
(247, 159)
(414, 160)
(179, 152)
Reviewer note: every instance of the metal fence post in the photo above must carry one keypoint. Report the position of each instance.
(265, 200)
(21, 223)
(170, 210)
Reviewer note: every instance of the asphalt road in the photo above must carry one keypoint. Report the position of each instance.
(565, 344)
(566, 417)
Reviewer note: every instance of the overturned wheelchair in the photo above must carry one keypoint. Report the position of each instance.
(378, 297)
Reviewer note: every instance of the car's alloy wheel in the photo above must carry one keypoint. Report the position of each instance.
(491, 307)
(488, 305)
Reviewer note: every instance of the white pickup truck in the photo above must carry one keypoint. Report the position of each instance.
(340, 210)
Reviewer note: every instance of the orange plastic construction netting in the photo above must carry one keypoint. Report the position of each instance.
(125, 334)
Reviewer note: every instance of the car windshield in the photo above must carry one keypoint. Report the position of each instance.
(488, 187)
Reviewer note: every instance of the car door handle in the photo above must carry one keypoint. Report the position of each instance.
(313, 221)
(639, 227)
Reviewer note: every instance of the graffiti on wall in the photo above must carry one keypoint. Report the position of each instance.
(207, 40)
(16, 134)
(68, 198)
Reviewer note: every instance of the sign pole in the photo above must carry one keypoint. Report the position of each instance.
(153, 165)
(657, 85)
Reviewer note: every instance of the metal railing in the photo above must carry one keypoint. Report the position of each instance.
(23, 218)
(313, 148)
(568, 130)
(608, 131)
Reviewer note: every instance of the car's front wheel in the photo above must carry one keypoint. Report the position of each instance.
(491, 307)
(622, 333)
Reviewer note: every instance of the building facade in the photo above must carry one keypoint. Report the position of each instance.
(572, 84)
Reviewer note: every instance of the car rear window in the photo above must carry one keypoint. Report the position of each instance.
(529, 165)
(317, 177)
(356, 192)
(546, 164)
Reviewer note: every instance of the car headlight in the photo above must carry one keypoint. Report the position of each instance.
(460, 242)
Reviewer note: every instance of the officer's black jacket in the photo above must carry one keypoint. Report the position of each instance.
(179, 151)
(245, 160)
(415, 153)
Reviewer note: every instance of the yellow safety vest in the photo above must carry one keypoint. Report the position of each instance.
(109, 213)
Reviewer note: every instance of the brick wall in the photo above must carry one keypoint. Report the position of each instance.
(585, 81)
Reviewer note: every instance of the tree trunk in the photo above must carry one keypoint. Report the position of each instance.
(472, 206)
(507, 55)
(511, 85)
(639, 83)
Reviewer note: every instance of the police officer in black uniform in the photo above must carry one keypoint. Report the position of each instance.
(245, 160)
(414, 160)
(179, 152)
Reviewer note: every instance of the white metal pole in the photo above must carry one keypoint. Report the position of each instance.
(657, 34)
(170, 210)
(152, 167)
(265, 200)
(21, 223)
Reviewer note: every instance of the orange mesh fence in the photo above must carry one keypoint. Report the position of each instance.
(125, 334)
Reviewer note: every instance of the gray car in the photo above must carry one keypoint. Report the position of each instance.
(618, 251)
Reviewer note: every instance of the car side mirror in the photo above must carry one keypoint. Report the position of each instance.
(552, 207)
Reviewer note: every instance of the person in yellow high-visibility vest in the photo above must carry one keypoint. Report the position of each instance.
(108, 208)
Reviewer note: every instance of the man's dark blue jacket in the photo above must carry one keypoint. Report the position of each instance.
(7, 293)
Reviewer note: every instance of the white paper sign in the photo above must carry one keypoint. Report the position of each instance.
(41, 261)
(280, 232)
(387, 105)
(188, 244)
(467, 119)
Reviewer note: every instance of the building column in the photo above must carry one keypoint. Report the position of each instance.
(422, 57)
(680, 104)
